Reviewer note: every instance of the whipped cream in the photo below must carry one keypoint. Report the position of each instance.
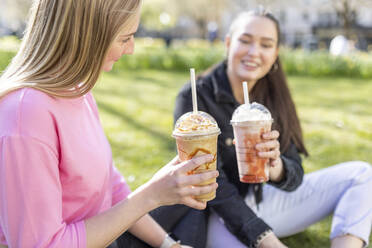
(195, 124)
(251, 112)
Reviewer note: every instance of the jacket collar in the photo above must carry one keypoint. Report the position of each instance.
(221, 84)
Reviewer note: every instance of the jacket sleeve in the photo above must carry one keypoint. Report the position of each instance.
(31, 196)
(294, 171)
(228, 204)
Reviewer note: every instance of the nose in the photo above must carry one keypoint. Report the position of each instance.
(129, 48)
(254, 49)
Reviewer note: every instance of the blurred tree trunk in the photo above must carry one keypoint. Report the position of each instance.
(347, 13)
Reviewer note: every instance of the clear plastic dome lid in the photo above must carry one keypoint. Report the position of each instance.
(251, 112)
(195, 124)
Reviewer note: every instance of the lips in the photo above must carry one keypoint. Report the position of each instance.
(250, 65)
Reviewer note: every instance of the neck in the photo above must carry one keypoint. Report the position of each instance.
(236, 84)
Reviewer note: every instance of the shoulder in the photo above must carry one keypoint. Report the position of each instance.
(28, 96)
(92, 103)
(27, 112)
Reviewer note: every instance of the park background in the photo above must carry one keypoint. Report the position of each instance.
(136, 100)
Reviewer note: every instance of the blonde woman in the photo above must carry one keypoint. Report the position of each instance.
(58, 185)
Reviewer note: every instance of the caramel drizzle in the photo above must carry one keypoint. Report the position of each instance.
(191, 155)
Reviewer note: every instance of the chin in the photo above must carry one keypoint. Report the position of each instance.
(107, 68)
(249, 77)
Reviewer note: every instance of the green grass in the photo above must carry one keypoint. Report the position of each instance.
(136, 111)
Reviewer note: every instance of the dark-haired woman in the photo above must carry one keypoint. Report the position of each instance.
(257, 215)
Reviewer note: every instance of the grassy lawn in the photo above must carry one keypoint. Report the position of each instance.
(136, 111)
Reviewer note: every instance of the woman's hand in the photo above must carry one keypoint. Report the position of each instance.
(172, 185)
(180, 246)
(270, 149)
(271, 241)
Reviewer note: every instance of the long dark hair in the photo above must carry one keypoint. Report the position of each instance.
(273, 92)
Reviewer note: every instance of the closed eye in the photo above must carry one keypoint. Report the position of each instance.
(267, 45)
(126, 40)
(244, 41)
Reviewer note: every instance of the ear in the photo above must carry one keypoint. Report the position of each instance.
(227, 42)
(277, 53)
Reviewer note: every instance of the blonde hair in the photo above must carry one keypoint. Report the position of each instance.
(65, 44)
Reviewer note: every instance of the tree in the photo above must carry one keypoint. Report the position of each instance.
(202, 12)
(346, 11)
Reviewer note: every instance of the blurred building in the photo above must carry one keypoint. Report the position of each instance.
(312, 24)
(309, 24)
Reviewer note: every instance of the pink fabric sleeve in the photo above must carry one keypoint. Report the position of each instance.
(120, 189)
(30, 197)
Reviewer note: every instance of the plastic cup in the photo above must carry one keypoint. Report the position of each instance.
(196, 134)
(248, 133)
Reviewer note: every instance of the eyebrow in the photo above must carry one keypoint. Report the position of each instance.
(127, 35)
(265, 38)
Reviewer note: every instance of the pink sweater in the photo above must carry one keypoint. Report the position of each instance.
(56, 169)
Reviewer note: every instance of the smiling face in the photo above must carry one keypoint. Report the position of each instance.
(252, 49)
(123, 44)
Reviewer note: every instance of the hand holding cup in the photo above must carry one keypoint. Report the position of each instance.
(270, 147)
(173, 184)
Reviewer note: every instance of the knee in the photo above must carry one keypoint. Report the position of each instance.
(363, 171)
(363, 167)
(356, 171)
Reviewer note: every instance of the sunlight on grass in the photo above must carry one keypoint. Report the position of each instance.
(136, 111)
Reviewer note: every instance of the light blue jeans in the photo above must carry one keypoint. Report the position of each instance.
(344, 190)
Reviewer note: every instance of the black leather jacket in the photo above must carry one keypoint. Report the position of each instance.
(216, 98)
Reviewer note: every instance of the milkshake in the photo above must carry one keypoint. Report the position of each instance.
(196, 134)
(249, 122)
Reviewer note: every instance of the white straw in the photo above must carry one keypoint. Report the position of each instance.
(193, 91)
(246, 94)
